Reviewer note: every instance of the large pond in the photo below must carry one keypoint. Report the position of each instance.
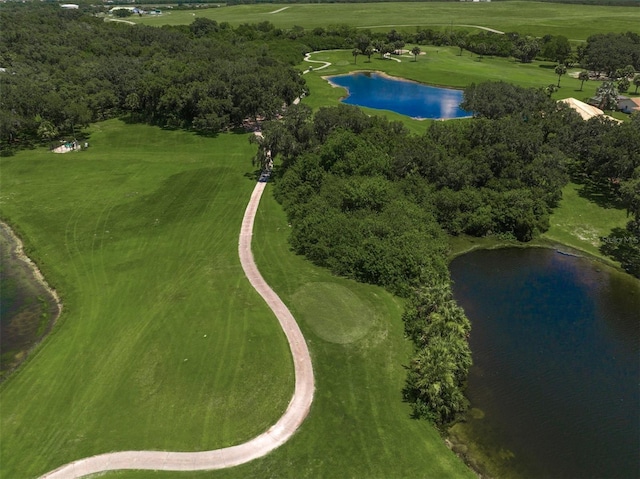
(375, 90)
(555, 342)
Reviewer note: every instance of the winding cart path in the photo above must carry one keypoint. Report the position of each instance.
(259, 446)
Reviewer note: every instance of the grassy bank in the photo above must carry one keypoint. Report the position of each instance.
(575, 22)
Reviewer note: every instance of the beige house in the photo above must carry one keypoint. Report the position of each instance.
(585, 110)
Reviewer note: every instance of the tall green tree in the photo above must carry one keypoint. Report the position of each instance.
(560, 70)
(355, 52)
(583, 76)
(623, 85)
(415, 51)
(526, 48)
(368, 52)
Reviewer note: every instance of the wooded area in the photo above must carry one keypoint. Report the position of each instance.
(64, 69)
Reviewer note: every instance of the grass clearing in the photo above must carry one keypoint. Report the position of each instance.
(583, 218)
(162, 343)
(575, 22)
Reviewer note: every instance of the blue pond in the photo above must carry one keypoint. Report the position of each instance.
(555, 342)
(416, 100)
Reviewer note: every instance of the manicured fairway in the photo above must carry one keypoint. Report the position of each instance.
(576, 22)
(358, 426)
(163, 344)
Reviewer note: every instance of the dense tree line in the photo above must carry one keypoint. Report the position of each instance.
(64, 69)
(249, 2)
(600, 151)
(606, 53)
(626, 3)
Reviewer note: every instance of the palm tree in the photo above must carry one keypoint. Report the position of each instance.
(368, 52)
(636, 81)
(560, 70)
(355, 54)
(415, 51)
(583, 76)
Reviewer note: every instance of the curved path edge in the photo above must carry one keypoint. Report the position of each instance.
(259, 446)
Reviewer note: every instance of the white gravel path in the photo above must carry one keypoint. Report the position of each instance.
(307, 57)
(279, 10)
(261, 445)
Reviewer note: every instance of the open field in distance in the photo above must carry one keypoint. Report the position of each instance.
(575, 22)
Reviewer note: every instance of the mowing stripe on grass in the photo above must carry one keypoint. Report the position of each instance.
(261, 445)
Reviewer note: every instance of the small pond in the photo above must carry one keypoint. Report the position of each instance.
(379, 91)
(555, 342)
(27, 308)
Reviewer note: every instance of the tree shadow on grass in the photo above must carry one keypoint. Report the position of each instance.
(623, 245)
(600, 193)
(253, 175)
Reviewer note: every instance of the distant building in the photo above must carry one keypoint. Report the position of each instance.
(69, 6)
(628, 105)
(131, 9)
(586, 111)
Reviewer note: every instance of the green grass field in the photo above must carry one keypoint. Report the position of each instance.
(164, 345)
(576, 22)
(139, 235)
(583, 218)
(358, 426)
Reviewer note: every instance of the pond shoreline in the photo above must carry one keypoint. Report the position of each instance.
(18, 257)
(488, 243)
